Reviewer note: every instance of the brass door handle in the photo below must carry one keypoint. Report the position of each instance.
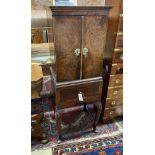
(113, 102)
(77, 52)
(111, 112)
(115, 92)
(85, 52)
(117, 81)
(121, 57)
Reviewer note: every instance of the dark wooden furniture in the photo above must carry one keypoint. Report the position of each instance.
(41, 35)
(37, 131)
(114, 98)
(79, 41)
(36, 80)
(113, 21)
(41, 31)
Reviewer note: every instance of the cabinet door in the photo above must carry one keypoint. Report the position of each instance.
(67, 38)
(94, 37)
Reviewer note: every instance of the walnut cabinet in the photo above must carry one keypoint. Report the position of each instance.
(79, 39)
(79, 42)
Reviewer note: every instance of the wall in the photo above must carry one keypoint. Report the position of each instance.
(91, 2)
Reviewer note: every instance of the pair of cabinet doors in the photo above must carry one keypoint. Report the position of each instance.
(79, 45)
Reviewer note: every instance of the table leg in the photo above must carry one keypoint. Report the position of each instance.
(58, 125)
(98, 110)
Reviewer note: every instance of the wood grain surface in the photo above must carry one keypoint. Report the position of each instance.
(36, 72)
(95, 28)
(67, 38)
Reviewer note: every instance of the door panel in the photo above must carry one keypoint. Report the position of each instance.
(67, 38)
(94, 37)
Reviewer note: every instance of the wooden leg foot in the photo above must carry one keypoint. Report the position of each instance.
(98, 110)
(95, 130)
(58, 124)
(44, 139)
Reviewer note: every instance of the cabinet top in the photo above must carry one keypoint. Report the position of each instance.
(80, 10)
